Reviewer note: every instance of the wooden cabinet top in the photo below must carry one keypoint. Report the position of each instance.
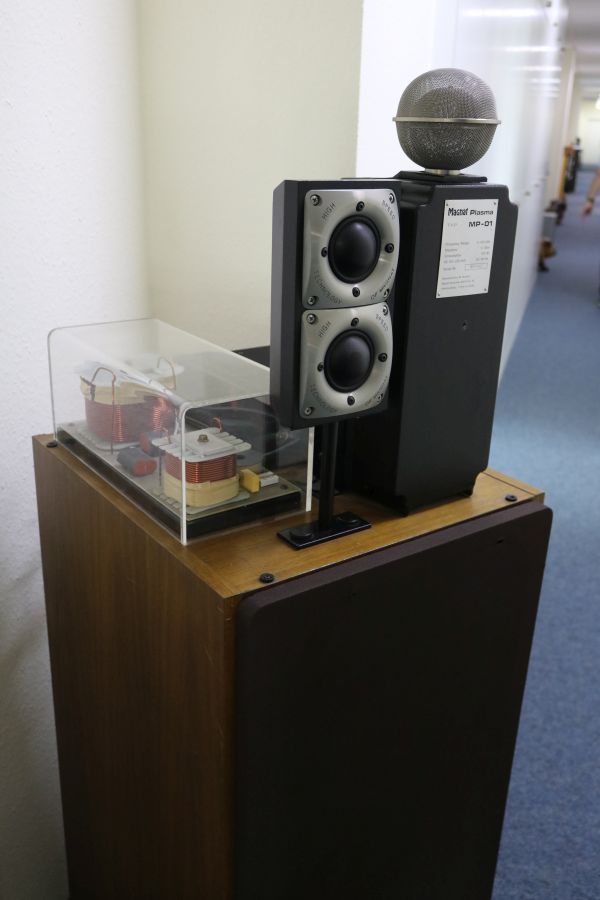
(230, 562)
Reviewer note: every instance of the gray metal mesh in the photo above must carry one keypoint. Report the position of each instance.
(446, 94)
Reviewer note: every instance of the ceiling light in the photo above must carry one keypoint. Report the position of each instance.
(526, 12)
(537, 68)
(534, 49)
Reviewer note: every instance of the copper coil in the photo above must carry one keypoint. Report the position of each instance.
(161, 414)
(200, 472)
(120, 424)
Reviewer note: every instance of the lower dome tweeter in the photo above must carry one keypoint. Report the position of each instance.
(349, 360)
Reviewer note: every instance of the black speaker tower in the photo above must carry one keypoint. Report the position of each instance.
(335, 254)
(388, 307)
(433, 439)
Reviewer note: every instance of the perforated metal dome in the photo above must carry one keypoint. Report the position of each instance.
(446, 119)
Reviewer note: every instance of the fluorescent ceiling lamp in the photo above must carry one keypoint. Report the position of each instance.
(526, 12)
(535, 49)
(537, 68)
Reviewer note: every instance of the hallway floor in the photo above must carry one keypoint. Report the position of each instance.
(547, 432)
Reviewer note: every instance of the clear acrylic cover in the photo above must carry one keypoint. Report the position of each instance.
(176, 423)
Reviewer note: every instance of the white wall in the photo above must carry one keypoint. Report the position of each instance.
(588, 129)
(70, 252)
(561, 131)
(396, 47)
(237, 97)
(503, 42)
(575, 112)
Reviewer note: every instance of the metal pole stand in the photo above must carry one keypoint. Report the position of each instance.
(328, 526)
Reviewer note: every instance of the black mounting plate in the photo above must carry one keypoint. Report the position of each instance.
(308, 535)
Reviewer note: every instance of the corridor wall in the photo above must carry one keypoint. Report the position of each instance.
(515, 47)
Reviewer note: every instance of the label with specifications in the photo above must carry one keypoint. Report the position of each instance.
(467, 247)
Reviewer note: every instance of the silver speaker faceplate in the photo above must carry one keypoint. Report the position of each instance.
(324, 210)
(317, 398)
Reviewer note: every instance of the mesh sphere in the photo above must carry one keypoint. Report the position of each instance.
(446, 94)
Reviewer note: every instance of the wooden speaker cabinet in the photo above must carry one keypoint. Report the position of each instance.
(343, 732)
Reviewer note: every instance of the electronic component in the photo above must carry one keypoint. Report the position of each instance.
(210, 458)
(136, 462)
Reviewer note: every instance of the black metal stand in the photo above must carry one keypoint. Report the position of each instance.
(328, 526)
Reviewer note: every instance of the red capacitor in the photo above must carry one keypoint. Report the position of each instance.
(136, 462)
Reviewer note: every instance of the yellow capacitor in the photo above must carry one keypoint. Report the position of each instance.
(250, 480)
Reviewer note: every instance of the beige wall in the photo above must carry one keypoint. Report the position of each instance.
(236, 97)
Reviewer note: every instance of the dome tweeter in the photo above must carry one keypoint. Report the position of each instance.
(345, 361)
(350, 247)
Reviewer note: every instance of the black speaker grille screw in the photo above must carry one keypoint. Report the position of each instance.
(382, 357)
(324, 251)
(266, 578)
(354, 323)
(355, 292)
(360, 206)
(351, 401)
(320, 367)
(389, 248)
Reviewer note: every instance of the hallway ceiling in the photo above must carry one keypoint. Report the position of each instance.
(583, 33)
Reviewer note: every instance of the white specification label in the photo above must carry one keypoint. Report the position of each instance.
(467, 247)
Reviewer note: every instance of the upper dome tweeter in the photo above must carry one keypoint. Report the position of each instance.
(354, 249)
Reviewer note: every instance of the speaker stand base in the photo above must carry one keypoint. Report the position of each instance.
(328, 526)
(310, 534)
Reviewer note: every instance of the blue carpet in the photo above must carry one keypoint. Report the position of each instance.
(547, 432)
